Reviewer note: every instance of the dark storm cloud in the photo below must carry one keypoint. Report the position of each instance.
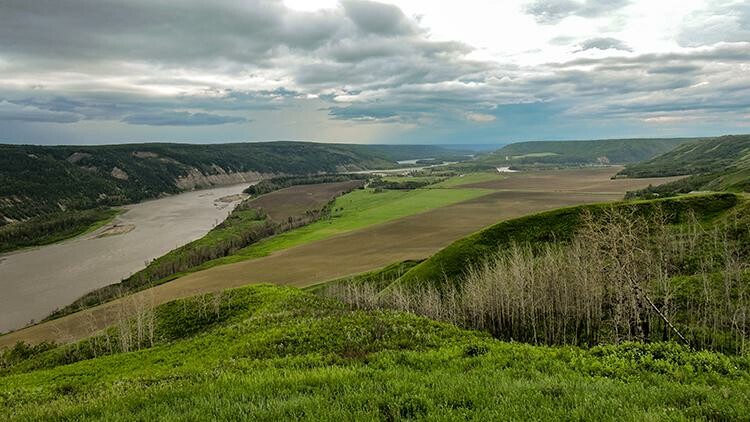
(379, 18)
(159, 31)
(362, 45)
(554, 11)
(604, 43)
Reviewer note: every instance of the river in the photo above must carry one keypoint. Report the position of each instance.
(35, 282)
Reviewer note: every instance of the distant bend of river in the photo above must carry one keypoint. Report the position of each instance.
(35, 282)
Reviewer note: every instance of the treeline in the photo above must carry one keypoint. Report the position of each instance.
(49, 229)
(623, 277)
(408, 184)
(277, 183)
(678, 187)
(41, 180)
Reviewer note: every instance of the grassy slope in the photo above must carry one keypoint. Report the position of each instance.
(556, 225)
(278, 353)
(720, 164)
(617, 151)
(356, 210)
(703, 156)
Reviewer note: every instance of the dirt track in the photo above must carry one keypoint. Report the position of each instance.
(413, 237)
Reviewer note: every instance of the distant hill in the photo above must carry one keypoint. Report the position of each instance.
(41, 180)
(721, 163)
(606, 151)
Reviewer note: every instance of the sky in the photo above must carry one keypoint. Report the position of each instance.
(360, 71)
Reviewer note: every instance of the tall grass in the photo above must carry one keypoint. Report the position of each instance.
(623, 277)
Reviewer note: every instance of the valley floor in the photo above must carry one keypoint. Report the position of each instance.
(387, 235)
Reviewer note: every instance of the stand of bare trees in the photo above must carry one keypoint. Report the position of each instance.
(623, 277)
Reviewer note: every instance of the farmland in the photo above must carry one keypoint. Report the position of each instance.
(250, 222)
(379, 230)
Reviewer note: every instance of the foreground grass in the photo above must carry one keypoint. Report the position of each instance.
(356, 210)
(279, 353)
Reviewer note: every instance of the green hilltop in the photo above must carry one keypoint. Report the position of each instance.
(718, 164)
(606, 151)
(451, 263)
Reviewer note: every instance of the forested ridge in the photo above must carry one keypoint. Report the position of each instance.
(39, 180)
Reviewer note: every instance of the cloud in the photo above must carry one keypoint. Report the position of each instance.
(129, 60)
(378, 18)
(195, 67)
(181, 118)
(604, 43)
(480, 117)
(551, 12)
(718, 21)
(24, 113)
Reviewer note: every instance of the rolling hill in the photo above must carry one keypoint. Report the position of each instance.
(556, 153)
(274, 353)
(452, 263)
(717, 164)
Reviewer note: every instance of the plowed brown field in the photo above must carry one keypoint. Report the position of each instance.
(414, 237)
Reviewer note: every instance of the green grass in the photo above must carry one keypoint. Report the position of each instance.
(535, 154)
(356, 210)
(379, 278)
(452, 262)
(469, 178)
(409, 178)
(282, 354)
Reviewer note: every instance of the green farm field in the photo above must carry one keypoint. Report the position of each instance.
(371, 231)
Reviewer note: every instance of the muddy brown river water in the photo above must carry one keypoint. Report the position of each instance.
(35, 282)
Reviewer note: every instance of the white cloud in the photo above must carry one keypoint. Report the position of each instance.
(480, 117)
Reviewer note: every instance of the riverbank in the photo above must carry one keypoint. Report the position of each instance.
(37, 281)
